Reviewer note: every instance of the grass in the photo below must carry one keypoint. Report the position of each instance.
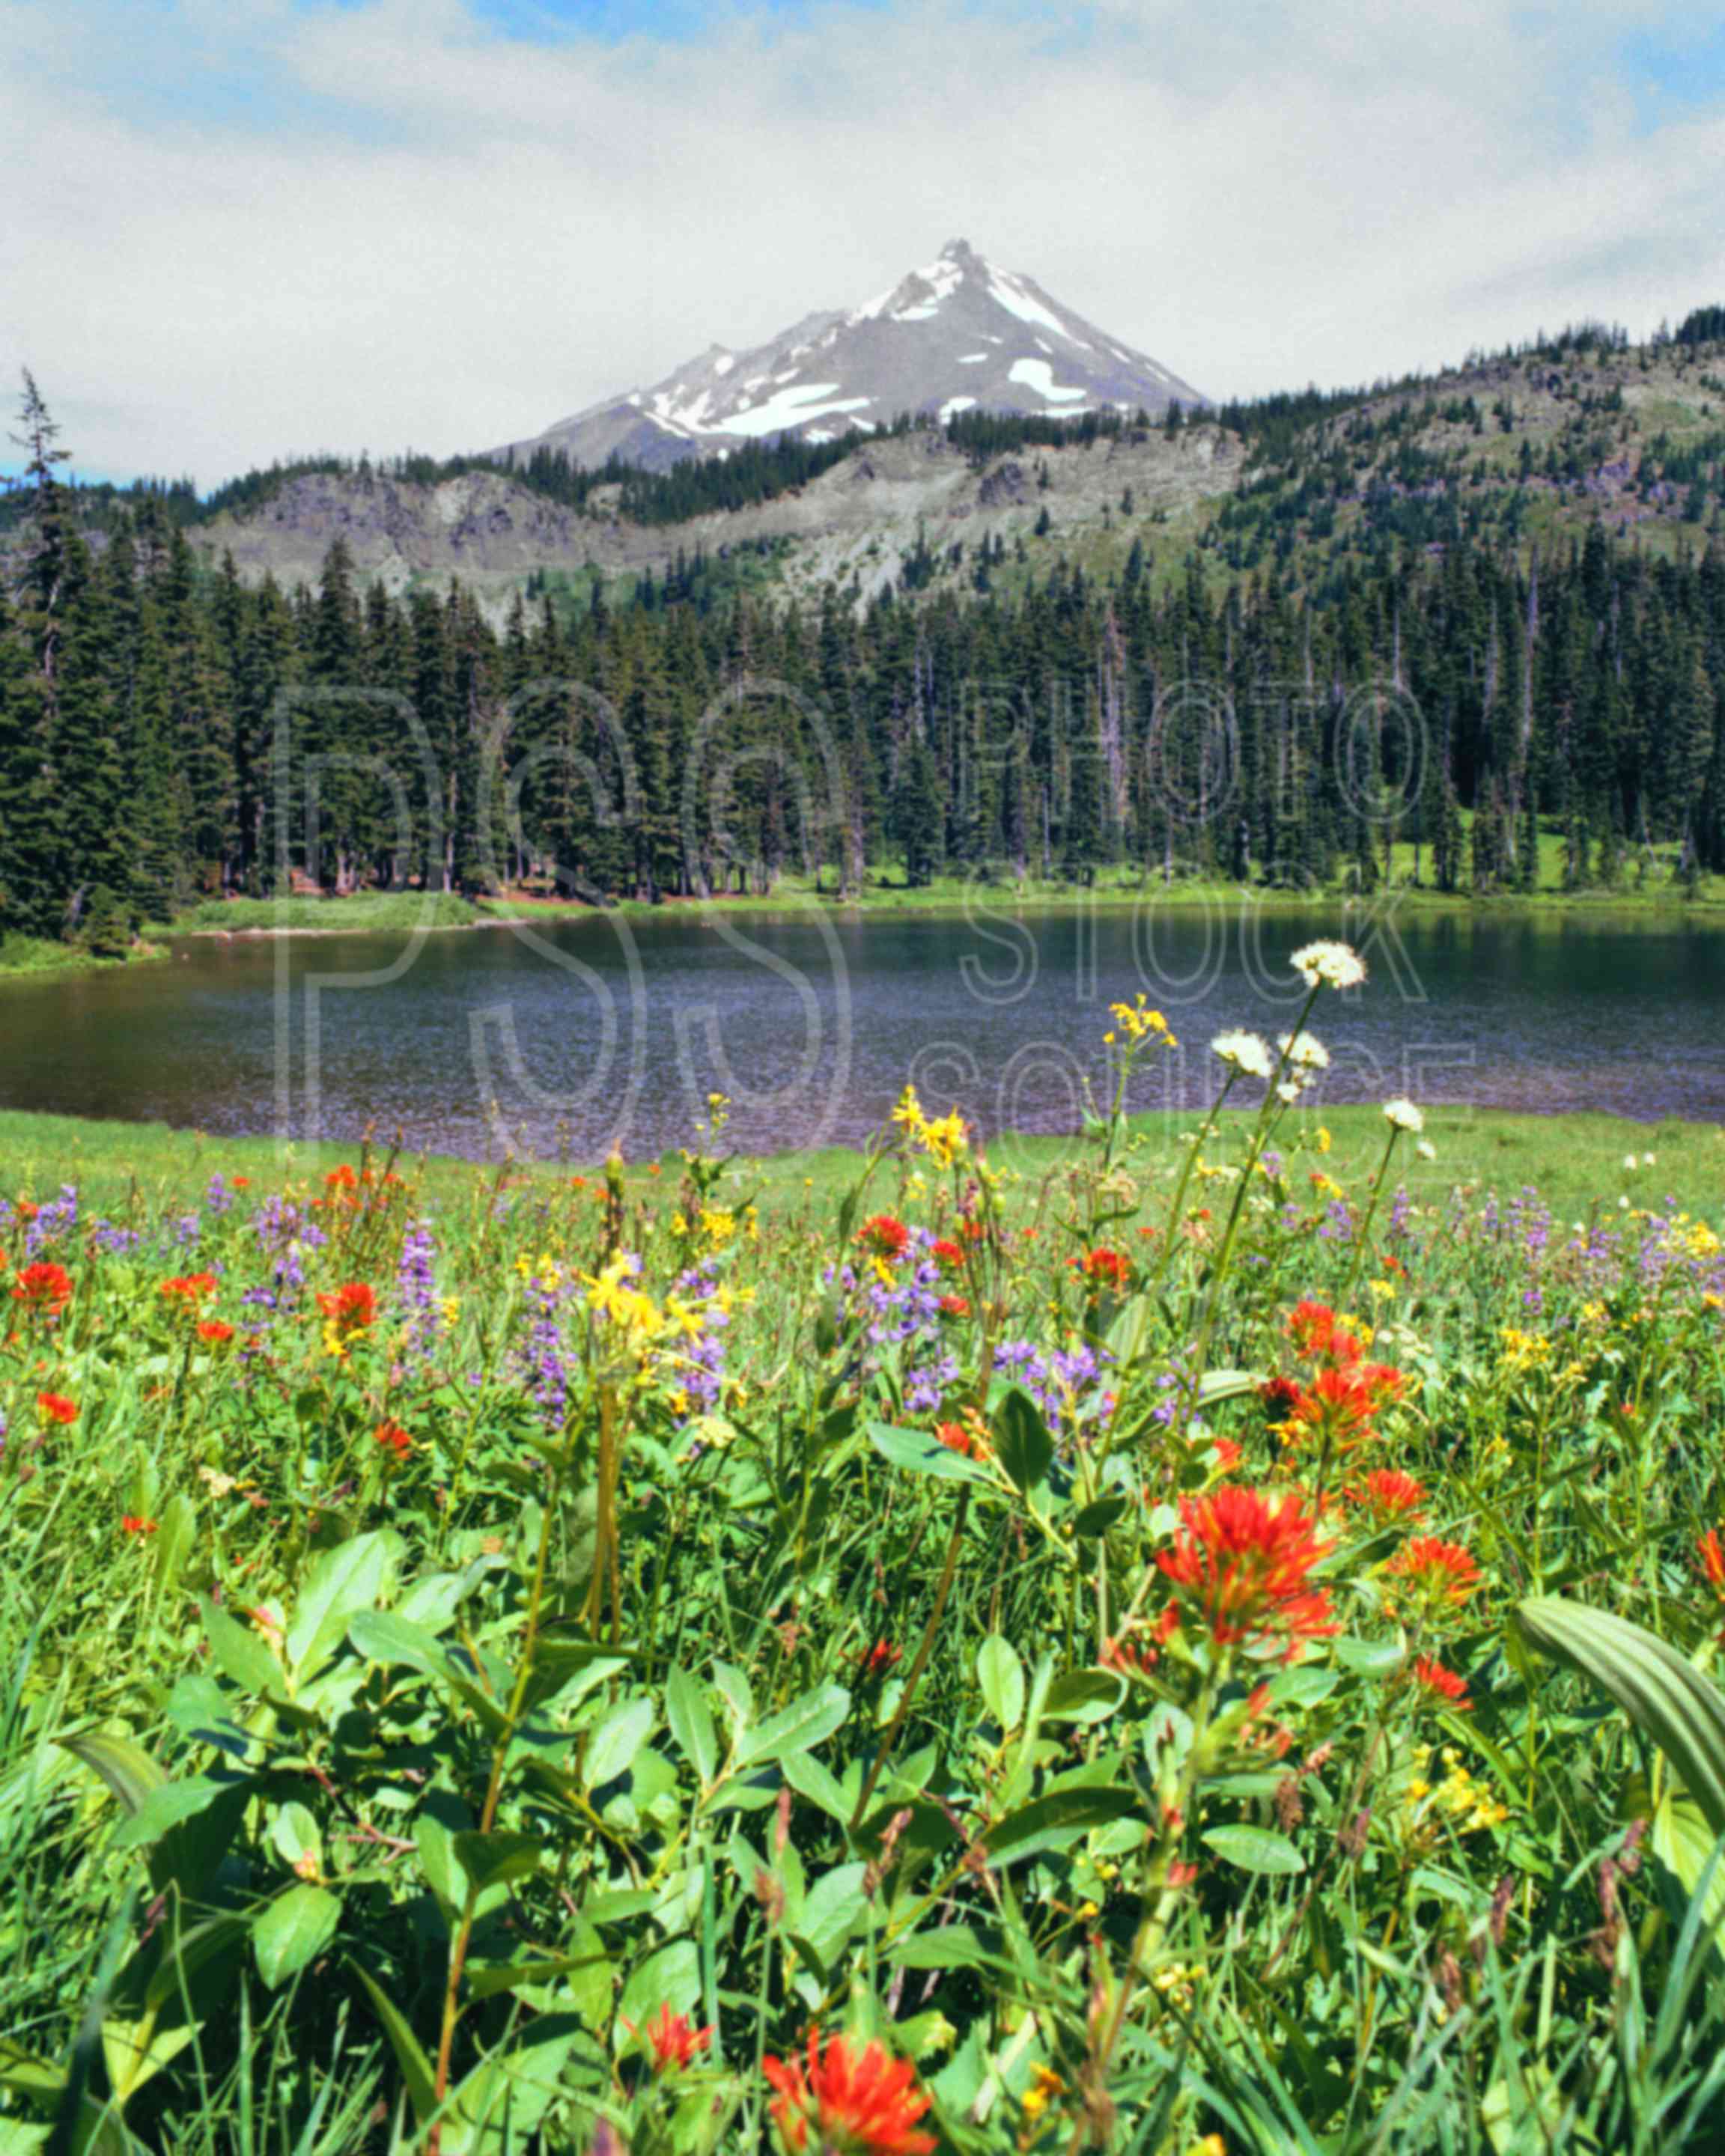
(375, 911)
(1577, 1161)
(28, 957)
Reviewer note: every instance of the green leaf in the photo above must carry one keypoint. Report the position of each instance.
(691, 1723)
(175, 1534)
(805, 1722)
(128, 1770)
(383, 1636)
(1054, 1821)
(241, 1654)
(1001, 1675)
(294, 1930)
(617, 1738)
(1254, 1849)
(1021, 1438)
(810, 1779)
(1667, 1697)
(1095, 1519)
(1084, 1696)
(498, 1859)
(415, 2067)
(1216, 1385)
(294, 1831)
(167, 1806)
(350, 1578)
(922, 1454)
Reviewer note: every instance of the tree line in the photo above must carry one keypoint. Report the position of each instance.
(168, 732)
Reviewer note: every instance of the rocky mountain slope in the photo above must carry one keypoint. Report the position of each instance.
(855, 521)
(959, 335)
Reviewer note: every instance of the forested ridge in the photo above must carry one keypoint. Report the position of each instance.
(167, 733)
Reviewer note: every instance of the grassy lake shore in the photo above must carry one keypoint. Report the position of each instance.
(1577, 1161)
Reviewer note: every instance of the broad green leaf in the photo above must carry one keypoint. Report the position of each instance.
(1021, 1438)
(382, 1636)
(1001, 1675)
(1254, 1849)
(805, 1722)
(343, 1581)
(176, 1533)
(810, 1778)
(128, 1770)
(294, 1831)
(1216, 1385)
(241, 1654)
(1667, 1697)
(1084, 1696)
(294, 1930)
(616, 1739)
(498, 1859)
(691, 1723)
(165, 1807)
(1055, 1821)
(923, 1453)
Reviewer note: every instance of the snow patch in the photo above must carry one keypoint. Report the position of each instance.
(724, 364)
(955, 404)
(916, 313)
(813, 400)
(1038, 375)
(1006, 289)
(972, 358)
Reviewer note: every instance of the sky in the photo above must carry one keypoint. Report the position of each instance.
(235, 230)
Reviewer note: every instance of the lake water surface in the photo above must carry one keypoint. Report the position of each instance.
(566, 1037)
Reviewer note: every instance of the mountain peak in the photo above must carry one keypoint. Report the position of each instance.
(957, 335)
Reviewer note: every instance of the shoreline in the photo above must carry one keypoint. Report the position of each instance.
(984, 904)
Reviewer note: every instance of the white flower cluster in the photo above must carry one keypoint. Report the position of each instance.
(1404, 1116)
(1248, 1052)
(1333, 965)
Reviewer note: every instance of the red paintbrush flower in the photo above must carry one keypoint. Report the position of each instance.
(954, 1306)
(351, 1308)
(863, 2102)
(393, 1439)
(947, 1256)
(189, 1290)
(1337, 1409)
(215, 1333)
(1387, 1494)
(1712, 1560)
(134, 1523)
(1241, 1568)
(672, 2039)
(1450, 1688)
(1313, 1328)
(1444, 1572)
(884, 1237)
(878, 1659)
(1105, 1268)
(55, 1406)
(44, 1287)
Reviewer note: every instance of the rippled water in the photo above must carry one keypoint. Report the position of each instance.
(617, 1029)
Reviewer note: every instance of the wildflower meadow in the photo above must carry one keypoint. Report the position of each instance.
(1195, 1650)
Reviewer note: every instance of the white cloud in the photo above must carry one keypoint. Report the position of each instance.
(236, 228)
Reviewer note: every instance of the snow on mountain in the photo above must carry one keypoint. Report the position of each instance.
(959, 335)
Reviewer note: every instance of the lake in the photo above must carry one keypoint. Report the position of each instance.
(563, 1039)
